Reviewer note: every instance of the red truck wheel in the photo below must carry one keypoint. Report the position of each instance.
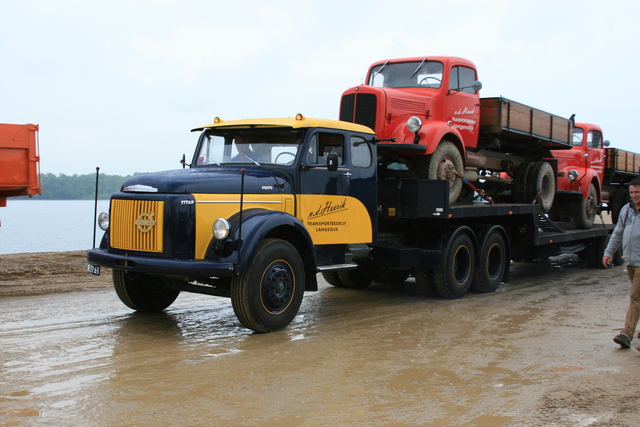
(445, 163)
(544, 185)
(584, 210)
(142, 292)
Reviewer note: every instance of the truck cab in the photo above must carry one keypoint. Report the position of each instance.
(580, 175)
(264, 206)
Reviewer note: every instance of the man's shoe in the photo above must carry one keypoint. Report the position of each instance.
(622, 340)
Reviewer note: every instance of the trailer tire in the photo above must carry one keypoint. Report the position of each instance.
(425, 280)
(268, 295)
(521, 184)
(142, 292)
(333, 278)
(396, 277)
(543, 185)
(454, 280)
(445, 163)
(584, 210)
(492, 264)
(620, 198)
(355, 279)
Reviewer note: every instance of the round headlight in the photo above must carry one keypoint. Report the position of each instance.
(221, 228)
(103, 221)
(573, 174)
(414, 124)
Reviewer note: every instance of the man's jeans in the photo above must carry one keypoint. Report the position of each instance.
(633, 312)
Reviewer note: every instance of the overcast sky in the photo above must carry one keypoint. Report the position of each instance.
(120, 84)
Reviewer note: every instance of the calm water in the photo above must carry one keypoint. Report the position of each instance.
(48, 225)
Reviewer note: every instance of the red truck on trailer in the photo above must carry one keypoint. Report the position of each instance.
(19, 161)
(437, 127)
(590, 176)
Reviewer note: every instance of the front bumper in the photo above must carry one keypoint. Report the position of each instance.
(161, 266)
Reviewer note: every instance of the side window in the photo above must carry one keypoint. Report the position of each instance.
(594, 139)
(578, 134)
(462, 77)
(360, 152)
(323, 144)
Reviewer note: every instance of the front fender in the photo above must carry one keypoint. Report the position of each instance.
(433, 132)
(259, 224)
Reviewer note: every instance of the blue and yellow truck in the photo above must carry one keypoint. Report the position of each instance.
(267, 204)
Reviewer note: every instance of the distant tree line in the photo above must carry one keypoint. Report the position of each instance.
(79, 187)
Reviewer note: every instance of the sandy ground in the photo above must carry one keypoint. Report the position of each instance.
(538, 352)
(48, 272)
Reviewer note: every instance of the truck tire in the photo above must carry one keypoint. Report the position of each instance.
(454, 280)
(395, 277)
(445, 163)
(584, 210)
(543, 185)
(620, 198)
(522, 188)
(355, 279)
(267, 297)
(425, 280)
(142, 292)
(492, 263)
(333, 279)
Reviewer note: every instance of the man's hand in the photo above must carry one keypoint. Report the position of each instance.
(606, 261)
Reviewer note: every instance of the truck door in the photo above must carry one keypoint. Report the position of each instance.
(595, 152)
(326, 205)
(463, 104)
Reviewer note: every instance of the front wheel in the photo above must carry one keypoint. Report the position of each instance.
(585, 210)
(267, 297)
(445, 163)
(142, 292)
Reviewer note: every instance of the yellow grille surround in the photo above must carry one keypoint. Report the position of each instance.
(137, 225)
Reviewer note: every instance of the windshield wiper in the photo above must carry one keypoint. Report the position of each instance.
(419, 67)
(379, 70)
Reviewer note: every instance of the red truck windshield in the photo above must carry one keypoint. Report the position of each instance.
(408, 74)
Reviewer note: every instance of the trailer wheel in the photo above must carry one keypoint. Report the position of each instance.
(455, 279)
(445, 163)
(584, 210)
(620, 198)
(522, 189)
(142, 292)
(267, 297)
(396, 277)
(333, 279)
(355, 279)
(544, 185)
(492, 264)
(425, 280)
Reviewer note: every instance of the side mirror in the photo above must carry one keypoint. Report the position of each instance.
(332, 161)
(607, 143)
(184, 162)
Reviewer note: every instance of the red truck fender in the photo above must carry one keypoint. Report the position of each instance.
(591, 178)
(433, 133)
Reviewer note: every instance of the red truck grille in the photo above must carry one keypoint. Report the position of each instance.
(359, 108)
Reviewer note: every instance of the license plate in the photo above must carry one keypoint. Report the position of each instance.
(93, 269)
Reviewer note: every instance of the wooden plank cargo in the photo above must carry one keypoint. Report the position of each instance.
(621, 163)
(519, 124)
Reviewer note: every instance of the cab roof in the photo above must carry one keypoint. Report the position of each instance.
(297, 122)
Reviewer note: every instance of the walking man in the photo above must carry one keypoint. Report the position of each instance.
(627, 233)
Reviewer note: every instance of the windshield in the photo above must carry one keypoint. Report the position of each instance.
(408, 74)
(257, 146)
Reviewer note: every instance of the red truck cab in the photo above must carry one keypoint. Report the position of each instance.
(438, 90)
(581, 174)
